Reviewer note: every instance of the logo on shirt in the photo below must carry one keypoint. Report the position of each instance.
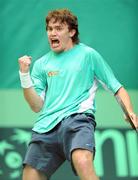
(53, 73)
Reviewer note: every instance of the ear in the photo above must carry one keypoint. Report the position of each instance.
(72, 32)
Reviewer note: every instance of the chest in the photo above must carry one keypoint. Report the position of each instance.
(67, 67)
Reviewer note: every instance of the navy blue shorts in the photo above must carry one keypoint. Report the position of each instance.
(47, 151)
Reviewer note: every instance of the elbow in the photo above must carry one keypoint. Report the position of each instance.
(36, 109)
(36, 105)
(119, 91)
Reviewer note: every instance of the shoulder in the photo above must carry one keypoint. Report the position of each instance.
(89, 52)
(87, 49)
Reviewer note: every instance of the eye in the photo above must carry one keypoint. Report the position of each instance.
(49, 29)
(58, 28)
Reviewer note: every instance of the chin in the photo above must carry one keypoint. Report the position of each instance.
(57, 50)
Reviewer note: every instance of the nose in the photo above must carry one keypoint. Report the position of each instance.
(53, 32)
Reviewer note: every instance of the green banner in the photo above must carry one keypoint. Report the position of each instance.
(116, 154)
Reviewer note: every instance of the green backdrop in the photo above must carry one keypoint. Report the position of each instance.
(109, 26)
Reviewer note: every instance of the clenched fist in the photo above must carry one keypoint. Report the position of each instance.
(24, 63)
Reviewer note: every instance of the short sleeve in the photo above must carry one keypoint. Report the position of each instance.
(104, 73)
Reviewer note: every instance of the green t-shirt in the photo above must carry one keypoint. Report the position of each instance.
(68, 82)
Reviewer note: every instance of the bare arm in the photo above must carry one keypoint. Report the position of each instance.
(124, 96)
(34, 100)
(122, 93)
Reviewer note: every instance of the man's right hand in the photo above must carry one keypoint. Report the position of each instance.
(33, 99)
(24, 63)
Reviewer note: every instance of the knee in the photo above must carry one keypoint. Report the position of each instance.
(81, 158)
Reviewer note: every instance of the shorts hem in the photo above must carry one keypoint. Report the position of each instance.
(83, 148)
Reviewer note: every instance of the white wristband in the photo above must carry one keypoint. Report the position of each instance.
(25, 79)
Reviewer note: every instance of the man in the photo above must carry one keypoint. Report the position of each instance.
(62, 87)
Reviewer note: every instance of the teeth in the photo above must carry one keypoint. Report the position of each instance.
(55, 41)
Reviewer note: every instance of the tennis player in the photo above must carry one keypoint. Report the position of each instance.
(62, 87)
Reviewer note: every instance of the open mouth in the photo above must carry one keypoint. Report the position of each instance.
(55, 43)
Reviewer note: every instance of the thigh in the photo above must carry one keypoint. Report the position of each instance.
(29, 173)
(82, 156)
(43, 154)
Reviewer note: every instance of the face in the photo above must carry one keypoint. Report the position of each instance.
(59, 36)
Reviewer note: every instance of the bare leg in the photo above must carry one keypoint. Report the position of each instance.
(30, 173)
(83, 163)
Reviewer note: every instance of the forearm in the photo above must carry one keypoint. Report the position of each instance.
(34, 100)
(123, 95)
